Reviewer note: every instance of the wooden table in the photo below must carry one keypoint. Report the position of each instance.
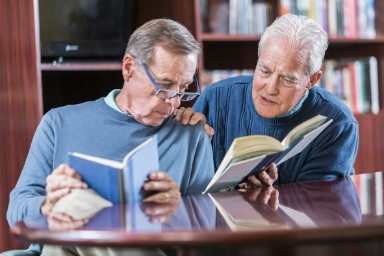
(344, 215)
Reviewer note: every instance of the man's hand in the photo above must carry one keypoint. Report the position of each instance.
(165, 187)
(160, 212)
(59, 183)
(190, 117)
(58, 221)
(262, 178)
(262, 195)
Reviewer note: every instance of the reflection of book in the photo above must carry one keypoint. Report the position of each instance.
(251, 154)
(118, 182)
(300, 219)
(81, 204)
(130, 217)
(240, 215)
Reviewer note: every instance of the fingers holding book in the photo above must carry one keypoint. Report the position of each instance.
(266, 177)
(164, 188)
(60, 183)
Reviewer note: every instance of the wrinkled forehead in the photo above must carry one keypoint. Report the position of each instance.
(174, 66)
(282, 62)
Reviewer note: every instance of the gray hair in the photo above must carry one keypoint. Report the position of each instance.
(304, 34)
(167, 33)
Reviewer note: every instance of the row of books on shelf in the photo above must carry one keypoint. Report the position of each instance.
(208, 77)
(348, 18)
(371, 203)
(244, 17)
(354, 81)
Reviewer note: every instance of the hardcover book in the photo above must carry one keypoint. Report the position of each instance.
(251, 154)
(118, 182)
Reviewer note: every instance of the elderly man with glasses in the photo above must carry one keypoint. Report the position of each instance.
(158, 68)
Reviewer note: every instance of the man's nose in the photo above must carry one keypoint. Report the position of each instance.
(271, 85)
(175, 101)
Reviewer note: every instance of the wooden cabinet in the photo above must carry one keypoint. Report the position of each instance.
(29, 88)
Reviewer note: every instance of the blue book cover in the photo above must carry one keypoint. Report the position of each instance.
(118, 182)
(137, 165)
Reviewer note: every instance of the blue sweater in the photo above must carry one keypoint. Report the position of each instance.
(229, 108)
(96, 129)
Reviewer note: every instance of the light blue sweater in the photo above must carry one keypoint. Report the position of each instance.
(96, 129)
(229, 108)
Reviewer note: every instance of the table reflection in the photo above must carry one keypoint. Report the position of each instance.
(298, 205)
(333, 202)
(191, 213)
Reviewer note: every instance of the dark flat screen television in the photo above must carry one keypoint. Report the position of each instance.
(84, 29)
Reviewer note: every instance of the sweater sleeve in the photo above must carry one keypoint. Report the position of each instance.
(29, 193)
(202, 166)
(332, 154)
(208, 105)
(201, 105)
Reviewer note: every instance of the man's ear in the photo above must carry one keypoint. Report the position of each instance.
(128, 66)
(314, 79)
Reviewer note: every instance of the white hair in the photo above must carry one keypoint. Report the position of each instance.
(302, 33)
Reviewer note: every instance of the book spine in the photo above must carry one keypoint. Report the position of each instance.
(373, 72)
(120, 184)
(370, 11)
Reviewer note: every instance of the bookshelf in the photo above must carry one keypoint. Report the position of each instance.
(226, 51)
(30, 88)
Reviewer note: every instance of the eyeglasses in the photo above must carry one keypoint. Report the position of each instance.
(168, 94)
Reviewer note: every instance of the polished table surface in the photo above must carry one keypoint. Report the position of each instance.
(344, 209)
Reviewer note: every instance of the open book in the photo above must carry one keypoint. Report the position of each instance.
(118, 182)
(251, 154)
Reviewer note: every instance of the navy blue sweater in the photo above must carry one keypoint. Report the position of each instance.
(229, 108)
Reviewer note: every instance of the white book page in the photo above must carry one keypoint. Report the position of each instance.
(99, 160)
(304, 142)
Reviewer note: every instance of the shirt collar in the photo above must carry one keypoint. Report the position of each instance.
(110, 100)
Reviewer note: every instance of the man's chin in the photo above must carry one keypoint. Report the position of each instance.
(156, 122)
(266, 113)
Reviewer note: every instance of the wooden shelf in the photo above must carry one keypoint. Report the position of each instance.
(227, 37)
(81, 66)
(344, 40)
(239, 38)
